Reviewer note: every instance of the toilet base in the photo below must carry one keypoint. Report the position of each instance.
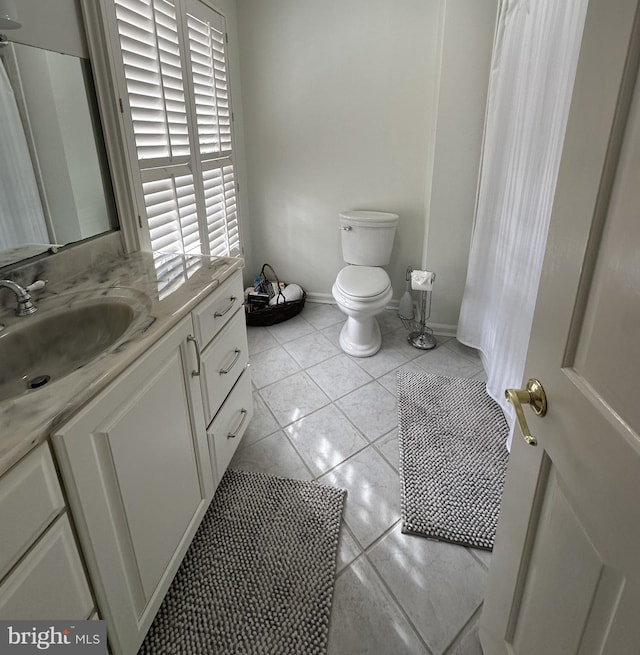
(361, 337)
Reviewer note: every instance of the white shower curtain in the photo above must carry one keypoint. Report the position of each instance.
(21, 218)
(532, 73)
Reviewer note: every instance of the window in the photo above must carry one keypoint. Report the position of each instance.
(174, 65)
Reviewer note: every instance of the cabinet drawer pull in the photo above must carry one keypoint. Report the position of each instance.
(224, 371)
(224, 311)
(193, 340)
(234, 434)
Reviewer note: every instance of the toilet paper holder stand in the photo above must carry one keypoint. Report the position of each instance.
(422, 337)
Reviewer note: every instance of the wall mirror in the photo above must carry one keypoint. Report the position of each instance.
(55, 185)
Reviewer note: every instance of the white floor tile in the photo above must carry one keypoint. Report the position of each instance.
(338, 376)
(348, 549)
(273, 455)
(439, 585)
(470, 353)
(416, 587)
(311, 349)
(373, 494)
(388, 446)
(261, 425)
(333, 333)
(321, 315)
(291, 329)
(259, 339)
(365, 620)
(372, 409)
(385, 360)
(325, 439)
(389, 321)
(390, 380)
(293, 398)
(481, 376)
(271, 365)
(483, 556)
(444, 361)
(468, 645)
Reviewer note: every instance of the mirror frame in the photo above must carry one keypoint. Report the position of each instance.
(108, 104)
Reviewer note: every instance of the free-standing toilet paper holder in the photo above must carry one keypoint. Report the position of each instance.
(423, 337)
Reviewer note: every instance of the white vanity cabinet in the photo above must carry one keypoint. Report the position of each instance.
(140, 467)
(41, 573)
(135, 463)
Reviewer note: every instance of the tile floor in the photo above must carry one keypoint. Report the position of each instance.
(322, 415)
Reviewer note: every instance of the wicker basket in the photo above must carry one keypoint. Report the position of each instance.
(272, 314)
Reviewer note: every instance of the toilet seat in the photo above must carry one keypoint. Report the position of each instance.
(363, 283)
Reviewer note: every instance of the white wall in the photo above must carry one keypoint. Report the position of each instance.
(338, 111)
(467, 40)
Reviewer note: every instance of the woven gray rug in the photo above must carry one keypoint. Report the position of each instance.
(259, 574)
(453, 458)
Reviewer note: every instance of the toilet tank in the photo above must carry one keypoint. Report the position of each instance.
(367, 237)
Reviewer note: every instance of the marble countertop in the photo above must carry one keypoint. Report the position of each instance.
(171, 284)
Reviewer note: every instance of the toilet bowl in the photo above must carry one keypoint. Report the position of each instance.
(363, 289)
(361, 292)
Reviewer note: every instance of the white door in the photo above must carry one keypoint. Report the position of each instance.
(565, 574)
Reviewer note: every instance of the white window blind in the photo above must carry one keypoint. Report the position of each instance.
(175, 68)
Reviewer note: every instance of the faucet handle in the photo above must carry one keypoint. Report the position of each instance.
(36, 286)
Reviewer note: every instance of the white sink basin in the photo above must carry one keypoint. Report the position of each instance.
(67, 332)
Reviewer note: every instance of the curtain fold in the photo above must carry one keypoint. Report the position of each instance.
(21, 217)
(532, 73)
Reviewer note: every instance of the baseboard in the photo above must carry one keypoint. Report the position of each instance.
(325, 298)
(441, 329)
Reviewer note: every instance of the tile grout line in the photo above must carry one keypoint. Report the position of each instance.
(478, 559)
(363, 554)
(465, 630)
(392, 595)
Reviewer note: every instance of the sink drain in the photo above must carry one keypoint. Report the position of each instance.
(38, 381)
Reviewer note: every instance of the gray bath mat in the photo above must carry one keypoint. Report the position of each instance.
(453, 458)
(259, 575)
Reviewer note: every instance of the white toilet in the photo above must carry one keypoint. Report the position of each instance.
(362, 289)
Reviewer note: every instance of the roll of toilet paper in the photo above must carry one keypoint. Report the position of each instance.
(422, 280)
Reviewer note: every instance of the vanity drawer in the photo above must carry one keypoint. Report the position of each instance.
(222, 364)
(226, 430)
(49, 583)
(210, 316)
(30, 498)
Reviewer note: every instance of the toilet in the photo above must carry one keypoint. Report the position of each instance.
(362, 289)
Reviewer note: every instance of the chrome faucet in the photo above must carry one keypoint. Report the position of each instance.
(23, 295)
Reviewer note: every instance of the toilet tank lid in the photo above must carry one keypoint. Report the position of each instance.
(367, 217)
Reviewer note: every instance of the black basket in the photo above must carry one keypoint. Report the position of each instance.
(272, 314)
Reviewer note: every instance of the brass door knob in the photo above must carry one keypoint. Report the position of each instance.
(533, 394)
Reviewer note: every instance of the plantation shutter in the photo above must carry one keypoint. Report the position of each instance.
(208, 64)
(175, 69)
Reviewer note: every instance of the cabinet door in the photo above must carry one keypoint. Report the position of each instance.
(135, 464)
(49, 583)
